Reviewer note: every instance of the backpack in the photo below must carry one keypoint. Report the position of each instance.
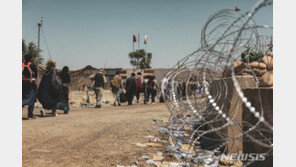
(155, 85)
(139, 84)
(150, 84)
(114, 84)
(25, 70)
(99, 80)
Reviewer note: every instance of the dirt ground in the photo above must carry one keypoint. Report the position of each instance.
(91, 137)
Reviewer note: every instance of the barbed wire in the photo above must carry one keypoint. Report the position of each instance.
(203, 104)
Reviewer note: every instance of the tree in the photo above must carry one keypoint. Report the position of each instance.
(32, 50)
(24, 48)
(139, 59)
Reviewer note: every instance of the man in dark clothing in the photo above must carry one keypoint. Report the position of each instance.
(139, 86)
(98, 86)
(65, 90)
(131, 86)
(155, 88)
(151, 89)
(29, 87)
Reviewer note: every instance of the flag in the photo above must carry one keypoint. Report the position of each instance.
(134, 38)
(145, 39)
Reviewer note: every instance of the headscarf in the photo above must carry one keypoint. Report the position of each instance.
(51, 64)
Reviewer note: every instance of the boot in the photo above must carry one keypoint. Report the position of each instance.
(42, 113)
(54, 112)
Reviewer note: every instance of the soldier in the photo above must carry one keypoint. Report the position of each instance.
(98, 86)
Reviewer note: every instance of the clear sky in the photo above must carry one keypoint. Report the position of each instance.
(92, 32)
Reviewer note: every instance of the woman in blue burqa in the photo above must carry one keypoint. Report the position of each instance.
(50, 89)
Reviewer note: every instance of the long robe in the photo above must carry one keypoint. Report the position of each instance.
(46, 94)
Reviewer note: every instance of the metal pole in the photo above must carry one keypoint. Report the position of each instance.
(134, 49)
(138, 41)
(138, 49)
(133, 45)
(38, 46)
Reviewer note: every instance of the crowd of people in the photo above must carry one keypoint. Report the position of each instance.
(126, 91)
(53, 90)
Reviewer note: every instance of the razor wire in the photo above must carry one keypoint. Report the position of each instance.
(203, 113)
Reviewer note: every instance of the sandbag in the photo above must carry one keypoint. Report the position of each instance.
(244, 70)
(266, 80)
(268, 60)
(269, 54)
(239, 71)
(256, 64)
(259, 72)
(245, 74)
(237, 64)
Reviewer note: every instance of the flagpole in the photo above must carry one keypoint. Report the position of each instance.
(138, 41)
(146, 43)
(133, 44)
(138, 50)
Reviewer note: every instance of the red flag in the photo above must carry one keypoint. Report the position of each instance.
(134, 38)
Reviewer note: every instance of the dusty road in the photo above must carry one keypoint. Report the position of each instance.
(90, 137)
